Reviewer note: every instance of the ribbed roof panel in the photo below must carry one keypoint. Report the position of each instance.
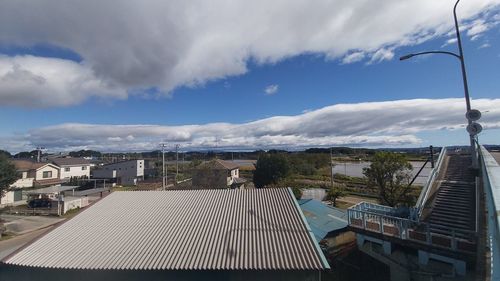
(181, 229)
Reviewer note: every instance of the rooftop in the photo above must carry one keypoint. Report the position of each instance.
(27, 164)
(70, 161)
(181, 230)
(219, 164)
(323, 219)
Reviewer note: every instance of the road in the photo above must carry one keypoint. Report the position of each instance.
(10, 245)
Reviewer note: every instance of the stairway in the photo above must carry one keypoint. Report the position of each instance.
(454, 204)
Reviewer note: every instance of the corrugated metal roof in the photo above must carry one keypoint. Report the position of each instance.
(323, 219)
(181, 229)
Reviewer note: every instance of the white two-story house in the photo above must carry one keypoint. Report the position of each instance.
(31, 174)
(73, 167)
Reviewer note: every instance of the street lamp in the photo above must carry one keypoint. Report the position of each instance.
(459, 56)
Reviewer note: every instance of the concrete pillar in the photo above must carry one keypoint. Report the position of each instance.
(360, 240)
(423, 257)
(387, 247)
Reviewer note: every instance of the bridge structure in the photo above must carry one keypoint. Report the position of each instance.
(455, 220)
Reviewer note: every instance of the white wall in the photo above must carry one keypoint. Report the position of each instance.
(54, 170)
(75, 171)
(24, 181)
(8, 198)
(128, 171)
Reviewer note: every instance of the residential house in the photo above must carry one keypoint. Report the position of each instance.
(217, 174)
(31, 174)
(127, 172)
(73, 167)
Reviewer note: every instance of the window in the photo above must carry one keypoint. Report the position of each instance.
(47, 174)
(66, 169)
(84, 168)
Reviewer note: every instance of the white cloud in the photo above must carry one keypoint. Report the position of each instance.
(484, 45)
(46, 82)
(353, 57)
(271, 89)
(390, 123)
(381, 55)
(449, 42)
(168, 44)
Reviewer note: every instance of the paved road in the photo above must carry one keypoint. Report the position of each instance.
(10, 245)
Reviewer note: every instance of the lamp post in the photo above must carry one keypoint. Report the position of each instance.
(459, 56)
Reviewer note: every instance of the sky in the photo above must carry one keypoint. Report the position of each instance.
(243, 75)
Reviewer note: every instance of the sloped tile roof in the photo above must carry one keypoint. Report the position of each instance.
(70, 161)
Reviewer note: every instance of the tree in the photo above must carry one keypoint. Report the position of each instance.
(270, 169)
(297, 192)
(8, 176)
(391, 173)
(336, 191)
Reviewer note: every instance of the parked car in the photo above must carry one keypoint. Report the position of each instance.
(40, 203)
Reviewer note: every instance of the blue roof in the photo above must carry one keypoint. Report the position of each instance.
(322, 218)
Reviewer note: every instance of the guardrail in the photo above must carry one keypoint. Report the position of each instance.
(380, 219)
(490, 178)
(424, 194)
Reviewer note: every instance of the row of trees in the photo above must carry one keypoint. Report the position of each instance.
(389, 172)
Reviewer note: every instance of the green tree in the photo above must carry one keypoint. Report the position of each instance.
(270, 169)
(335, 191)
(391, 174)
(297, 192)
(8, 176)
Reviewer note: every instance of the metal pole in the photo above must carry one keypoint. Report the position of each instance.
(331, 167)
(466, 87)
(176, 161)
(163, 164)
(432, 156)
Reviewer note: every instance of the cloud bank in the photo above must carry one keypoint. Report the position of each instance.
(129, 46)
(375, 124)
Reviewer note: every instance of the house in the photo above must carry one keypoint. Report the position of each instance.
(328, 224)
(31, 174)
(216, 234)
(217, 174)
(127, 172)
(73, 167)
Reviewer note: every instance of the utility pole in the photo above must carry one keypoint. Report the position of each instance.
(39, 151)
(176, 161)
(331, 167)
(164, 177)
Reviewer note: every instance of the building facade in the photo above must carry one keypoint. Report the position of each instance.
(73, 167)
(122, 173)
(217, 174)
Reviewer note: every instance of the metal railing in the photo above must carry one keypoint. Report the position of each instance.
(424, 194)
(490, 179)
(380, 219)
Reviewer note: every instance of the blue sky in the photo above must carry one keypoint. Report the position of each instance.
(306, 83)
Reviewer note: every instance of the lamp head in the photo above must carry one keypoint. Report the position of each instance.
(405, 57)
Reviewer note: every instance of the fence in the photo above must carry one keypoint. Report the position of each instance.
(381, 219)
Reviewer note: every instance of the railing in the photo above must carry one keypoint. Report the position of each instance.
(490, 179)
(378, 219)
(429, 183)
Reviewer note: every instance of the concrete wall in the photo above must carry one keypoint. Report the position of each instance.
(71, 203)
(75, 171)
